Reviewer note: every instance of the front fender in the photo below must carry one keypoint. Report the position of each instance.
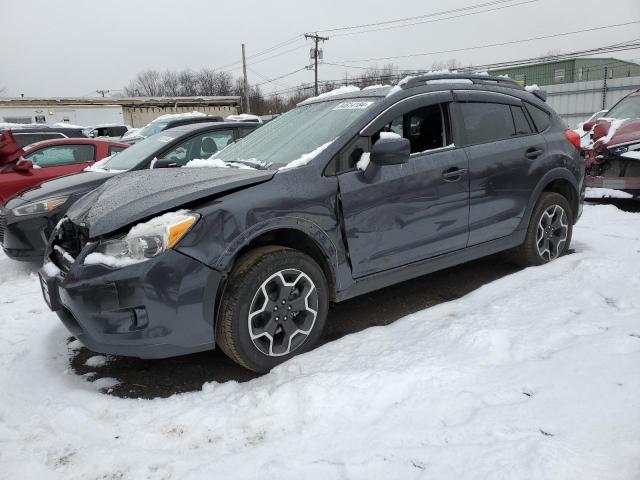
(306, 226)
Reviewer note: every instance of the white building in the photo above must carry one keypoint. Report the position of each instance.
(134, 111)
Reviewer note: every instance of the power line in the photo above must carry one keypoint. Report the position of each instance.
(502, 7)
(406, 19)
(491, 45)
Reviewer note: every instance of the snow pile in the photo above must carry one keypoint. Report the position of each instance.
(214, 163)
(176, 116)
(389, 135)
(243, 117)
(98, 166)
(333, 93)
(97, 258)
(532, 88)
(132, 132)
(374, 87)
(532, 376)
(605, 193)
(307, 157)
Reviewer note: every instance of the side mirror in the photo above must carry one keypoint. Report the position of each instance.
(387, 151)
(391, 151)
(23, 166)
(586, 126)
(163, 163)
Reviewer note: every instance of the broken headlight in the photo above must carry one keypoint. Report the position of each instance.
(144, 240)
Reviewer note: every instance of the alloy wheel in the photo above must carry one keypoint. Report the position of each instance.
(283, 312)
(552, 232)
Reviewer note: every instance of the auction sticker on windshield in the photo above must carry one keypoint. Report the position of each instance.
(352, 105)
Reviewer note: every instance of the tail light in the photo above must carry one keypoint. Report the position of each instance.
(573, 138)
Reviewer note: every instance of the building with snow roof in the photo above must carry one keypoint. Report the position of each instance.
(132, 111)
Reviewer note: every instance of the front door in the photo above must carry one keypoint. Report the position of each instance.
(412, 211)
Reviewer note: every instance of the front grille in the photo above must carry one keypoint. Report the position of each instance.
(3, 224)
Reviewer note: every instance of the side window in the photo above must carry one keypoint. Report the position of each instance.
(62, 155)
(540, 118)
(245, 131)
(114, 150)
(25, 139)
(520, 119)
(426, 128)
(487, 122)
(200, 146)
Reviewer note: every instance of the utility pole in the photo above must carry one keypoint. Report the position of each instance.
(604, 88)
(103, 92)
(246, 82)
(316, 38)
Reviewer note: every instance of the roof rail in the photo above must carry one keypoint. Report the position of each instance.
(476, 79)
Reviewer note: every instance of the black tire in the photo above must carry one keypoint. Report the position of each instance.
(244, 292)
(528, 253)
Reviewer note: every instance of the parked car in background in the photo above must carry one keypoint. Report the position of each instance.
(112, 131)
(28, 218)
(612, 148)
(165, 122)
(28, 134)
(50, 159)
(343, 195)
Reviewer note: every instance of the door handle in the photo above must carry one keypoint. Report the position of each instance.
(453, 174)
(532, 153)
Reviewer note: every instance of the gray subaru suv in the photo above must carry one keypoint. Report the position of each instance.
(340, 196)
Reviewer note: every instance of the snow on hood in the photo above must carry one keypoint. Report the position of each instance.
(307, 157)
(126, 199)
(608, 131)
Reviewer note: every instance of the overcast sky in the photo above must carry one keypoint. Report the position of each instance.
(73, 47)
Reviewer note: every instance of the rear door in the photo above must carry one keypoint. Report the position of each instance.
(49, 162)
(502, 148)
(412, 211)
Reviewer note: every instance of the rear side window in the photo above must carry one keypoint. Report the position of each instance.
(520, 119)
(113, 150)
(62, 155)
(541, 119)
(487, 122)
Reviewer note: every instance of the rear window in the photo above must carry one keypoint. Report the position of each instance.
(487, 122)
(25, 139)
(541, 119)
(113, 150)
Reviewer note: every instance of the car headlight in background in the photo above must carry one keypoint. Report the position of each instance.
(144, 240)
(42, 206)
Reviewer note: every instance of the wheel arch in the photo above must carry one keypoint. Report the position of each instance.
(297, 233)
(558, 180)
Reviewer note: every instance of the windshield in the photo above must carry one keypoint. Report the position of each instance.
(152, 129)
(132, 156)
(297, 133)
(627, 108)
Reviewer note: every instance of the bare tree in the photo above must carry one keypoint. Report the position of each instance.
(146, 84)
(170, 84)
(2, 91)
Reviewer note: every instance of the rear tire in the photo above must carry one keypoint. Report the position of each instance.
(274, 307)
(549, 232)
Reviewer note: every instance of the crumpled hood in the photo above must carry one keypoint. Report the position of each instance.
(133, 196)
(625, 131)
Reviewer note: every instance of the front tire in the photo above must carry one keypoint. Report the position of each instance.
(274, 307)
(549, 232)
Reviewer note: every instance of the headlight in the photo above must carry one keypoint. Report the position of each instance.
(144, 241)
(42, 206)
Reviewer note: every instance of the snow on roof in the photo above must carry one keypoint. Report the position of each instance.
(532, 88)
(67, 125)
(334, 92)
(175, 116)
(243, 117)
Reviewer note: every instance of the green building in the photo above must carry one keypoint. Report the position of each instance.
(569, 71)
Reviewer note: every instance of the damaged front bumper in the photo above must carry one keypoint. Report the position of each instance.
(159, 308)
(616, 168)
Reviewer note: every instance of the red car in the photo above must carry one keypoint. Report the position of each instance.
(612, 149)
(21, 169)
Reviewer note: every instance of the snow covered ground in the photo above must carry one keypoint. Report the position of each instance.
(535, 375)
